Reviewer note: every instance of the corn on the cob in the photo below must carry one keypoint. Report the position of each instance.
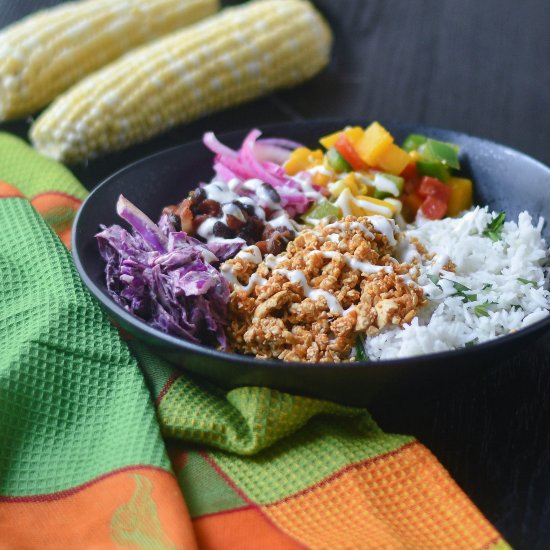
(233, 56)
(47, 52)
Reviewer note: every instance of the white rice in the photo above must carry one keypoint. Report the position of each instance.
(490, 270)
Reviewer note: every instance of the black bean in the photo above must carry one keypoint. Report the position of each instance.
(198, 195)
(277, 243)
(234, 223)
(271, 192)
(254, 227)
(211, 207)
(221, 230)
(175, 221)
(246, 208)
(262, 246)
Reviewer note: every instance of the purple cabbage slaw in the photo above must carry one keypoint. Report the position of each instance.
(164, 277)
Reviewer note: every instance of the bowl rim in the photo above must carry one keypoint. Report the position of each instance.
(181, 344)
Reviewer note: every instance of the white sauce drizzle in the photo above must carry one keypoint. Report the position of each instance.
(260, 200)
(386, 184)
(295, 276)
(250, 254)
(231, 209)
(272, 261)
(255, 279)
(438, 262)
(385, 226)
(406, 252)
(265, 198)
(350, 225)
(206, 228)
(320, 169)
(354, 263)
(346, 198)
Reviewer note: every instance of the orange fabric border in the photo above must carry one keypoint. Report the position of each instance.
(123, 508)
(244, 528)
(44, 201)
(7, 190)
(401, 499)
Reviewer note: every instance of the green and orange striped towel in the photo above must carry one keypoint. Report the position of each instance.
(103, 446)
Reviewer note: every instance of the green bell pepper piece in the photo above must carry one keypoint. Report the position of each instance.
(433, 169)
(413, 142)
(381, 187)
(381, 194)
(322, 210)
(337, 161)
(441, 151)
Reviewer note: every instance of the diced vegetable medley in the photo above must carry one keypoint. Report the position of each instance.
(363, 172)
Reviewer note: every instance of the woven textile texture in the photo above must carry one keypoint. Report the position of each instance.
(104, 445)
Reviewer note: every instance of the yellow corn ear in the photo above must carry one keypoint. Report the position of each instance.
(236, 55)
(48, 51)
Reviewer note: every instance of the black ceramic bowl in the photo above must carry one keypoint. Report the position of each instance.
(504, 179)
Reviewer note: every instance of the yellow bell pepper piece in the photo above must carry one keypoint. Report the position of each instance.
(373, 143)
(363, 205)
(415, 155)
(349, 182)
(302, 159)
(393, 160)
(321, 179)
(353, 134)
(369, 206)
(461, 197)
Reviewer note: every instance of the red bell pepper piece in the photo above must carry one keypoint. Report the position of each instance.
(409, 172)
(432, 187)
(411, 204)
(344, 146)
(433, 208)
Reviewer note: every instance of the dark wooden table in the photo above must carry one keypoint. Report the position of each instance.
(481, 67)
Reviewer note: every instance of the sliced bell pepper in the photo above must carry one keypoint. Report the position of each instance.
(413, 142)
(353, 133)
(320, 179)
(411, 185)
(369, 206)
(302, 158)
(433, 208)
(349, 182)
(409, 172)
(387, 185)
(347, 150)
(432, 168)
(461, 197)
(336, 161)
(381, 194)
(411, 204)
(393, 160)
(322, 210)
(432, 187)
(374, 142)
(441, 151)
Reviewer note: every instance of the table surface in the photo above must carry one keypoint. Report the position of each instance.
(478, 67)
